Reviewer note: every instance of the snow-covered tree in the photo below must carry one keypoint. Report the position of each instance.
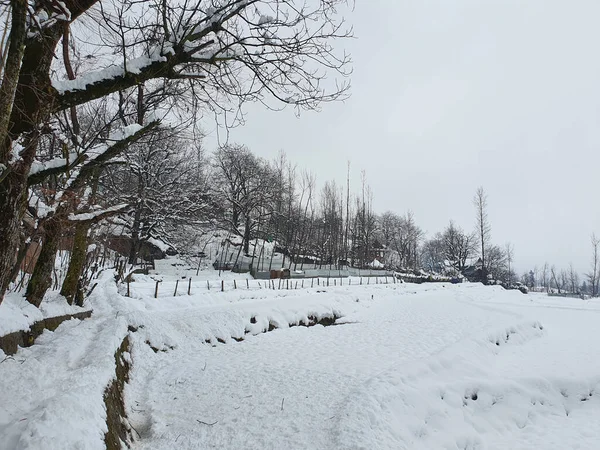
(218, 52)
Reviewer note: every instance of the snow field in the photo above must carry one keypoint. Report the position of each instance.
(404, 366)
(322, 387)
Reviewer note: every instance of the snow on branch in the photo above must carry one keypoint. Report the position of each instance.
(244, 49)
(92, 157)
(97, 215)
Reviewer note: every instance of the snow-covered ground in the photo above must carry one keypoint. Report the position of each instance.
(409, 367)
(433, 366)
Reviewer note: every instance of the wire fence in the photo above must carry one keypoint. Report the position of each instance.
(187, 286)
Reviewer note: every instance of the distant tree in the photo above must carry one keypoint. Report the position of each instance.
(458, 246)
(496, 262)
(555, 281)
(484, 228)
(246, 186)
(573, 280)
(545, 273)
(364, 224)
(162, 180)
(564, 279)
(433, 254)
(509, 260)
(402, 235)
(388, 225)
(593, 276)
(532, 278)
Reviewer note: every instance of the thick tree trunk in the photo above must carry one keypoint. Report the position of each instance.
(247, 237)
(31, 108)
(135, 237)
(23, 249)
(11, 183)
(16, 50)
(71, 285)
(12, 202)
(41, 278)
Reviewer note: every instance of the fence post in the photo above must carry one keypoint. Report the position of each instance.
(128, 295)
(248, 284)
(278, 284)
(327, 281)
(361, 281)
(190, 286)
(176, 285)
(296, 286)
(234, 284)
(334, 282)
(302, 283)
(156, 289)
(312, 282)
(222, 285)
(208, 284)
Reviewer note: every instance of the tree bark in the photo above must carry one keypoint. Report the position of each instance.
(41, 278)
(16, 50)
(12, 202)
(12, 190)
(71, 284)
(247, 237)
(23, 249)
(30, 108)
(135, 236)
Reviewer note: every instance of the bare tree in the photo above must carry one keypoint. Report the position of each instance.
(509, 260)
(433, 255)
(593, 275)
(545, 274)
(458, 246)
(496, 263)
(554, 278)
(246, 186)
(484, 228)
(573, 280)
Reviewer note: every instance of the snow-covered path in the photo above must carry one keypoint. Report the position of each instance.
(399, 373)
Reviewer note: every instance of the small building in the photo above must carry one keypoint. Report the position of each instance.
(280, 273)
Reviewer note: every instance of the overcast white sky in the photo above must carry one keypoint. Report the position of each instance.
(451, 95)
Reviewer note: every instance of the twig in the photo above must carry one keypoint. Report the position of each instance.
(206, 423)
(136, 431)
(282, 400)
(8, 357)
(204, 368)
